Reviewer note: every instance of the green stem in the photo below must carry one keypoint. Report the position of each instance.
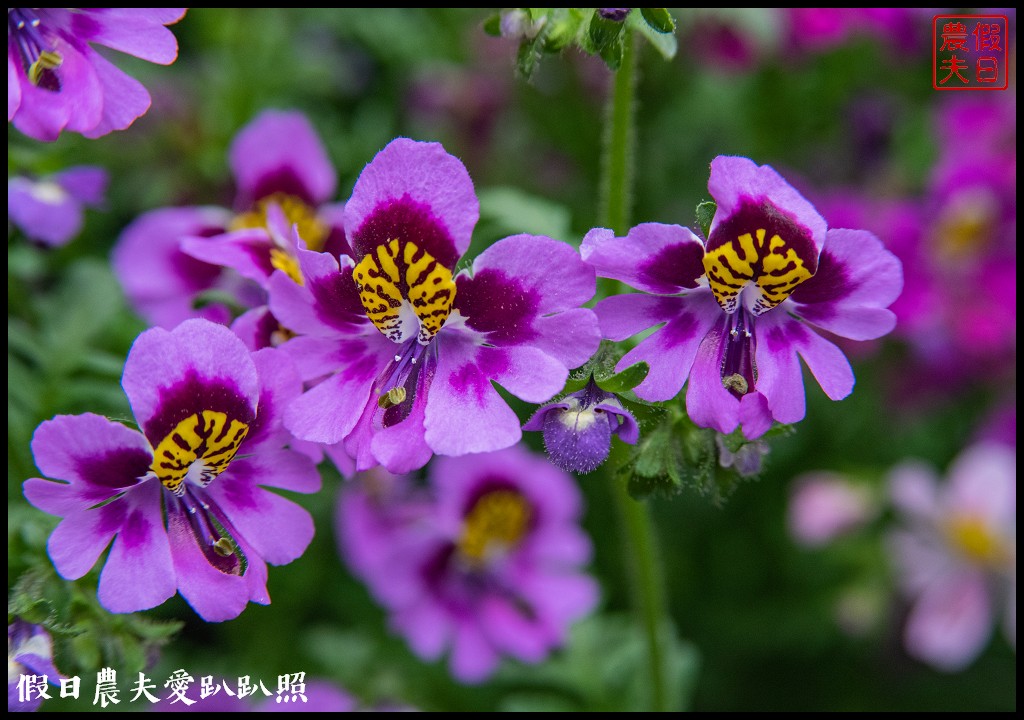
(644, 569)
(641, 554)
(620, 143)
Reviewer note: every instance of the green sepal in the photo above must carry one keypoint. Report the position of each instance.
(492, 25)
(660, 19)
(705, 214)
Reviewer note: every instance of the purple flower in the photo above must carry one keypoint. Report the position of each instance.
(49, 210)
(957, 554)
(57, 81)
(614, 14)
(169, 257)
(739, 309)
(578, 429)
(406, 348)
(485, 562)
(182, 500)
(825, 505)
(29, 653)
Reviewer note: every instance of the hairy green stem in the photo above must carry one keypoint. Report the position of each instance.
(641, 554)
(620, 143)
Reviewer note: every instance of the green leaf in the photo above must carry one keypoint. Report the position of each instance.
(659, 18)
(625, 380)
(515, 211)
(492, 25)
(664, 43)
(705, 214)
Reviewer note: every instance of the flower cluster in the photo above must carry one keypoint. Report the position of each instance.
(485, 561)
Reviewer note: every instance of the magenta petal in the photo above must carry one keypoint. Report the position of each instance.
(551, 271)
(170, 375)
(623, 316)
(328, 302)
(426, 628)
(137, 575)
(512, 633)
(755, 417)
(738, 182)
(76, 543)
(827, 363)
(708, 403)
(279, 385)
(857, 279)
(951, 621)
(670, 351)
(526, 372)
(124, 98)
(779, 376)
(416, 185)
(571, 336)
(158, 278)
(327, 412)
(78, 106)
(43, 211)
(245, 251)
(13, 82)
(655, 258)
(465, 414)
(216, 596)
(85, 183)
(280, 151)
(472, 659)
(97, 456)
(141, 33)
(983, 485)
(278, 529)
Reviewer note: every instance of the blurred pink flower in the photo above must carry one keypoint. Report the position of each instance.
(825, 505)
(956, 554)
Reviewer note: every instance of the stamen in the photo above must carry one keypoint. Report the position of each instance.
(39, 56)
(739, 364)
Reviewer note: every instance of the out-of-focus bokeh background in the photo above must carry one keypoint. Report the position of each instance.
(840, 102)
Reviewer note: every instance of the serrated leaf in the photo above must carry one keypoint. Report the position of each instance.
(664, 43)
(660, 19)
(705, 214)
(625, 380)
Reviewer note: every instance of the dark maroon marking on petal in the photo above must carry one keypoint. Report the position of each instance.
(497, 304)
(488, 484)
(194, 394)
(336, 299)
(679, 265)
(198, 275)
(280, 180)
(751, 217)
(782, 337)
(260, 254)
(468, 379)
(135, 530)
(112, 517)
(832, 282)
(237, 484)
(115, 468)
(679, 330)
(84, 26)
(336, 243)
(409, 221)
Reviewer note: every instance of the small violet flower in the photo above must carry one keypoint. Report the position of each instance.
(57, 81)
(49, 210)
(956, 555)
(486, 562)
(578, 429)
(29, 666)
(407, 348)
(737, 310)
(182, 500)
(168, 257)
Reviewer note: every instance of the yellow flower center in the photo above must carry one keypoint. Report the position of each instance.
(770, 265)
(405, 291)
(199, 448)
(973, 538)
(495, 524)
